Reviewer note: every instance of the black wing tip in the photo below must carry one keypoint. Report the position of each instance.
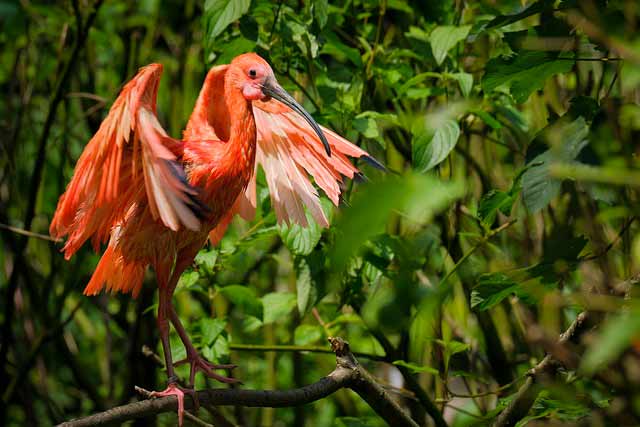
(374, 163)
(199, 209)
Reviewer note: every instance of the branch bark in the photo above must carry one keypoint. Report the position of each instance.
(347, 374)
(519, 407)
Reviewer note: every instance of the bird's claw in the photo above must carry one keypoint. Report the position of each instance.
(199, 363)
(173, 389)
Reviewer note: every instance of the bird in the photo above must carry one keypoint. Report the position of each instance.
(154, 200)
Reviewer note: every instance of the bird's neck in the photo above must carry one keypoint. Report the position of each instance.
(240, 149)
(222, 170)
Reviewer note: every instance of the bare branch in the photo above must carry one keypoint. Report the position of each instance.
(526, 395)
(347, 374)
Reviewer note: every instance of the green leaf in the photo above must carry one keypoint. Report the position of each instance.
(321, 12)
(465, 81)
(416, 196)
(488, 119)
(277, 305)
(615, 336)
(233, 48)
(429, 153)
(341, 51)
(414, 368)
(529, 284)
(298, 239)
(244, 298)
(492, 289)
(502, 20)
(446, 37)
(367, 123)
(218, 14)
(523, 73)
(211, 329)
(493, 202)
(307, 334)
(306, 292)
(188, 279)
(207, 259)
(305, 40)
(567, 140)
(220, 349)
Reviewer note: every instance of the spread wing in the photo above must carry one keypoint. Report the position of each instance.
(129, 163)
(290, 154)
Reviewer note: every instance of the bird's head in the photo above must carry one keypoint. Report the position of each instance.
(254, 77)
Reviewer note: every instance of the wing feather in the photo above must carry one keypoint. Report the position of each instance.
(130, 161)
(290, 153)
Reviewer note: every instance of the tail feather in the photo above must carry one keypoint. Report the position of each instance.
(117, 274)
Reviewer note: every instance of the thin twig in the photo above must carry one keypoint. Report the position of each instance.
(29, 233)
(527, 394)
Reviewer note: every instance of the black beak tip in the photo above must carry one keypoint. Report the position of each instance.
(327, 148)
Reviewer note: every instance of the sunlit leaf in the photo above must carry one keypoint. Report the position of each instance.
(465, 81)
(211, 329)
(446, 37)
(218, 14)
(429, 152)
(207, 259)
(298, 239)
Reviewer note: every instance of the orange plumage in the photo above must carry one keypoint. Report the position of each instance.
(155, 200)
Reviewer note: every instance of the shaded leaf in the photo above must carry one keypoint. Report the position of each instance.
(493, 202)
(243, 297)
(277, 305)
(502, 20)
(523, 73)
(616, 335)
(538, 187)
(414, 368)
(307, 334)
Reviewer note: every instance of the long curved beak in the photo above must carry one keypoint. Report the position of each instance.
(273, 89)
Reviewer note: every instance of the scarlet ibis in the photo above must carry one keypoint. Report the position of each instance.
(156, 199)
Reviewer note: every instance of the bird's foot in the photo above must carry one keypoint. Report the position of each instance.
(173, 389)
(199, 363)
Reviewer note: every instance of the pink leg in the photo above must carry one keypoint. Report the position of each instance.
(164, 309)
(196, 362)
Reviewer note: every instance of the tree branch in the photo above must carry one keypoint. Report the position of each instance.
(347, 374)
(519, 407)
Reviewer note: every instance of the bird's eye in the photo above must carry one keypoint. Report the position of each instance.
(252, 73)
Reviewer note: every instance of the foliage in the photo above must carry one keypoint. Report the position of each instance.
(510, 133)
